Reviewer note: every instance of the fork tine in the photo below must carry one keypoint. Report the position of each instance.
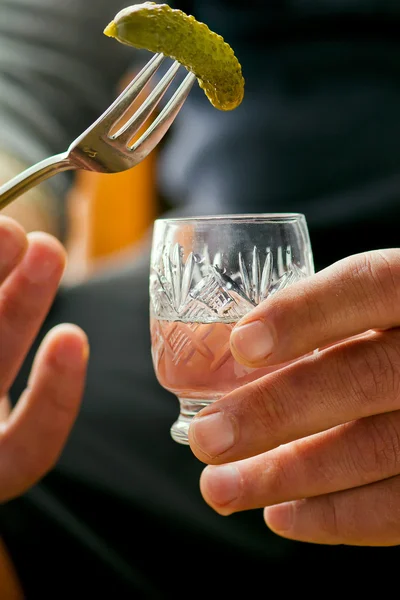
(133, 89)
(154, 134)
(132, 126)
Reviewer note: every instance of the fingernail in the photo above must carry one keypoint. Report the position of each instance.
(253, 341)
(214, 434)
(279, 517)
(71, 352)
(221, 484)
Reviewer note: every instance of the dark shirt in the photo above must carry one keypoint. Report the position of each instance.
(317, 131)
(121, 514)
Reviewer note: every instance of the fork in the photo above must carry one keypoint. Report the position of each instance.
(100, 148)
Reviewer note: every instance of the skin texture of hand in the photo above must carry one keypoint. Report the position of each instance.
(33, 434)
(317, 442)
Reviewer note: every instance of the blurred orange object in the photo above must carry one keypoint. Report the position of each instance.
(120, 207)
(110, 213)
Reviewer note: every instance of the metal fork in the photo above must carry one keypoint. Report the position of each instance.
(98, 148)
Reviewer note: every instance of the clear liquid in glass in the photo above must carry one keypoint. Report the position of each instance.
(193, 360)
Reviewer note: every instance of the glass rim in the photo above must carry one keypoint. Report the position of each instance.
(284, 217)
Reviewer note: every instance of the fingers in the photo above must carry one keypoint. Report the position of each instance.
(345, 382)
(25, 298)
(348, 456)
(34, 434)
(366, 516)
(315, 441)
(13, 244)
(32, 437)
(353, 295)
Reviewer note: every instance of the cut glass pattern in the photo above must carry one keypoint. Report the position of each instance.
(198, 289)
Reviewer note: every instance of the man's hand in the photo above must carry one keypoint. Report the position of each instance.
(316, 442)
(33, 434)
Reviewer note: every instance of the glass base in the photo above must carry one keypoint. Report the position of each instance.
(189, 407)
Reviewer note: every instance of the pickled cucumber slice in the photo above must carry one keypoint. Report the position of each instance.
(160, 28)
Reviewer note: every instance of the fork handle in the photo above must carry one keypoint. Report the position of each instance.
(33, 176)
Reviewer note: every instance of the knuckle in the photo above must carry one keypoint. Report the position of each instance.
(376, 448)
(372, 371)
(352, 515)
(311, 310)
(65, 409)
(330, 521)
(380, 271)
(63, 395)
(269, 408)
(315, 314)
(278, 475)
(338, 516)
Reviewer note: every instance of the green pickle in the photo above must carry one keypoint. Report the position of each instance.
(162, 29)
